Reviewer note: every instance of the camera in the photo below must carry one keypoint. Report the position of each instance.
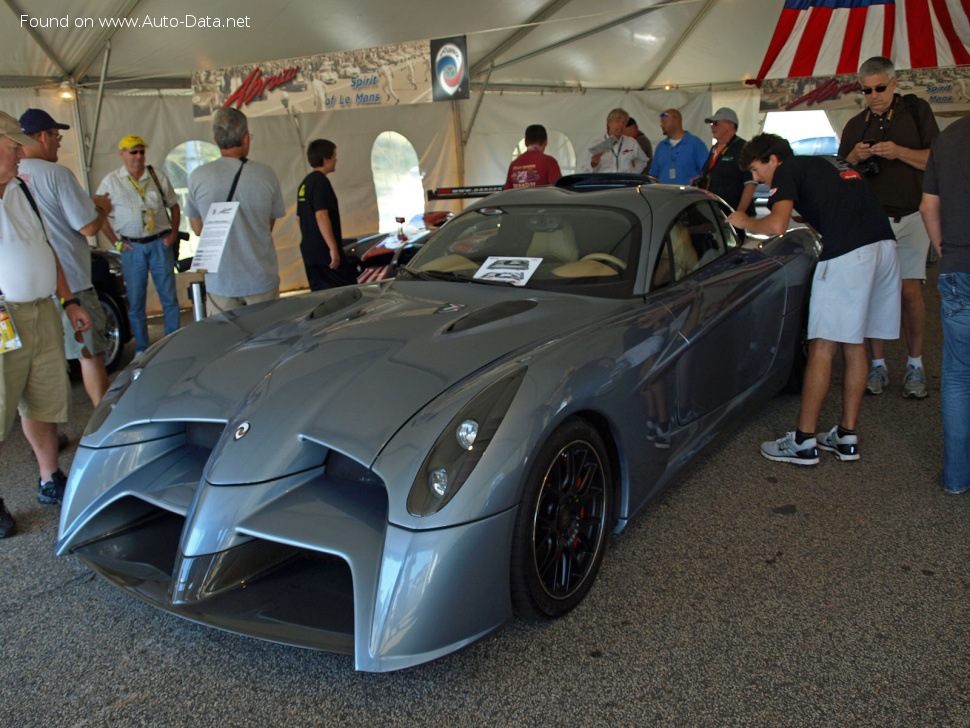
(868, 167)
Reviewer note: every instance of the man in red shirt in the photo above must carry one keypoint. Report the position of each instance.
(535, 167)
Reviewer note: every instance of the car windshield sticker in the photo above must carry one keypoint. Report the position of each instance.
(507, 269)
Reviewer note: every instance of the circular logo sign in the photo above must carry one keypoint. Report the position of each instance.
(241, 431)
(450, 68)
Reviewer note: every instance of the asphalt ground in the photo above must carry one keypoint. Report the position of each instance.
(751, 593)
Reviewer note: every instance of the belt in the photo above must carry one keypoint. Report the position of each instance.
(149, 239)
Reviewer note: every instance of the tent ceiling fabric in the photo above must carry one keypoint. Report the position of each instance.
(580, 44)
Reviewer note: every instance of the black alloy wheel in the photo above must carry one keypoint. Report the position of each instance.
(560, 531)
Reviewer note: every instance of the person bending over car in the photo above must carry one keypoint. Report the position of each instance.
(855, 290)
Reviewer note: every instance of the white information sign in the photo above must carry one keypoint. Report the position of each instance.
(215, 230)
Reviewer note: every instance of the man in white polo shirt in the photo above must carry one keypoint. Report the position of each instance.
(33, 378)
(141, 227)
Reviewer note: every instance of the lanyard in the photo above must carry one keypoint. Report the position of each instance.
(138, 188)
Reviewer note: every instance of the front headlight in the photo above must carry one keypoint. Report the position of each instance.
(462, 444)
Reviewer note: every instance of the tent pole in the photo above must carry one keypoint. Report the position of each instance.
(97, 111)
(465, 136)
(459, 147)
(79, 142)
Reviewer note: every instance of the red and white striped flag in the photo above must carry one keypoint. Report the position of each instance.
(828, 37)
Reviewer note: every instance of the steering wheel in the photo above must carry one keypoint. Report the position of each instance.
(610, 260)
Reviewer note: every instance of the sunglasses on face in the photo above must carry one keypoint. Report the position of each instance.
(664, 115)
(136, 151)
(54, 134)
(865, 90)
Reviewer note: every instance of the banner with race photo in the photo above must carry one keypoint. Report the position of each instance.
(945, 88)
(403, 73)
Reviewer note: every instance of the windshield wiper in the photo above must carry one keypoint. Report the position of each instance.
(433, 275)
(448, 275)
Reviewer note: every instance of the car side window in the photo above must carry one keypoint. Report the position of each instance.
(663, 270)
(730, 235)
(694, 239)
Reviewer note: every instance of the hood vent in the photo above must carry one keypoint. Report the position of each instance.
(343, 298)
(490, 313)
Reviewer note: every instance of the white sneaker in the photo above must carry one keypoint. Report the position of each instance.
(845, 447)
(785, 450)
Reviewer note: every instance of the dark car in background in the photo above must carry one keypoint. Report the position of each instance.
(379, 256)
(110, 285)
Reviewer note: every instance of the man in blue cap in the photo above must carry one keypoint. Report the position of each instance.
(71, 215)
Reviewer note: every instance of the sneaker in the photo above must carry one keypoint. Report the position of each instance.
(785, 450)
(7, 526)
(845, 447)
(914, 385)
(52, 492)
(878, 379)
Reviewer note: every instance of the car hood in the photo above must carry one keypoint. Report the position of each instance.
(342, 370)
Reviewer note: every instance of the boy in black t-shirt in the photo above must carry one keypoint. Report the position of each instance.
(855, 290)
(316, 206)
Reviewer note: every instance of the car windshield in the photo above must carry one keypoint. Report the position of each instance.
(585, 250)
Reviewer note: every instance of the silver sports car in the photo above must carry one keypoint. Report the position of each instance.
(396, 469)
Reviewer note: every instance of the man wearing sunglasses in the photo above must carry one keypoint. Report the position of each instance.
(71, 215)
(141, 228)
(890, 143)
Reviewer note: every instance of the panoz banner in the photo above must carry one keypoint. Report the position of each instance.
(944, 88)
(403, 73)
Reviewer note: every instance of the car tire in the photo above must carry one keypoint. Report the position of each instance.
(114, 332)
(561, 527)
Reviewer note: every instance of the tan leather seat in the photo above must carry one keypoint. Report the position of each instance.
(685, 257)
(556, 245)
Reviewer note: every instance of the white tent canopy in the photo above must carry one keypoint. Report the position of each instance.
(618, 44)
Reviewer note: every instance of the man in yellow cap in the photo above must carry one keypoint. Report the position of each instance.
(145, 226)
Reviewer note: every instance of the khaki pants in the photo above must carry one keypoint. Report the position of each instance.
(34, 377)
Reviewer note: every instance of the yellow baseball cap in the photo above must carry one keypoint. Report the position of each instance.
(131, 141)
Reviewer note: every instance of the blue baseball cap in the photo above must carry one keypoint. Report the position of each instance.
(33, 121)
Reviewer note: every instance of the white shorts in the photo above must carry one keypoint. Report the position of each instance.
(912, 245)
(857, 296)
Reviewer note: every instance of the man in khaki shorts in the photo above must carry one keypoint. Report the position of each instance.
(33, 378)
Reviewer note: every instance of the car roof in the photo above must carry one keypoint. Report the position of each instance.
(630, 197)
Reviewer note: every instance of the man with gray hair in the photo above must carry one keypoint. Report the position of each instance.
(890, 143)
(248, 271)
(615, 153)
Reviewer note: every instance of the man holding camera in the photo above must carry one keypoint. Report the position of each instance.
(140, 227)
(890, 143)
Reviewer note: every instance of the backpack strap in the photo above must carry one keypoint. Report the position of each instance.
(911, 102)
(33, 205)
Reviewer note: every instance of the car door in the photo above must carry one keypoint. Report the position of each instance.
(733, 325)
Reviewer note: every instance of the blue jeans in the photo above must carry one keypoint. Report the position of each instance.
(955, 295)
(136, 263)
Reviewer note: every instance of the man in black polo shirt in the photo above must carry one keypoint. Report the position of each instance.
(890, 143)
(855, 290)
(721, 173)
(316, 205)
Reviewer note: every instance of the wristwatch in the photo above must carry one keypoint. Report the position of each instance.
(65, 302)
